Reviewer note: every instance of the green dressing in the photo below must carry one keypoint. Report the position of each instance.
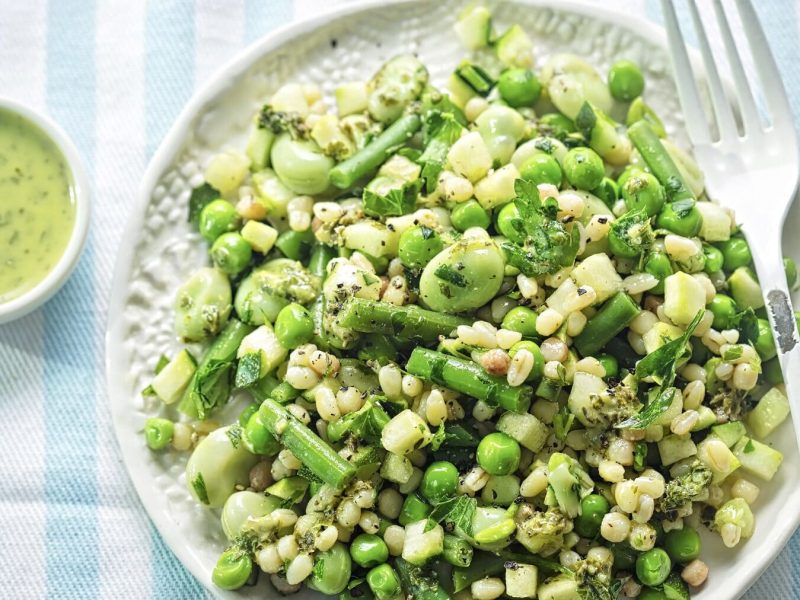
(37, 205)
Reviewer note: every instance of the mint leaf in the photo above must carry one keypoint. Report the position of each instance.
(200, 197)
(441, 130)
(447, 273)
(455, 513)
(562, 423)
(396, 202)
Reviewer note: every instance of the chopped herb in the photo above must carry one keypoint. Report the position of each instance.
(447, 273)
(746, 322)
(200, 197)
(234, 434)
(562, 422)
(248, 370)
(455, 513)
(733, 353)
(398, 201)
(639, 456)
(199, 486)
(441, 130)
(682, 208)
(749, 447)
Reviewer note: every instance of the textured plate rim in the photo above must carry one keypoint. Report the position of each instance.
(164, 157)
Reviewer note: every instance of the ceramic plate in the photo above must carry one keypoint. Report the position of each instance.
(159, 251)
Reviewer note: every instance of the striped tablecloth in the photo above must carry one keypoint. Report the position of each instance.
(114, 74)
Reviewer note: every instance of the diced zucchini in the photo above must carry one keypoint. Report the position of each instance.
(421, 545)
(290, 488)
(771, 411)
(514, 48)
(172, 380)
(745, 289)
(497, 187)
(730, 432)
(716, 225)
(226, 171)
(559, 588)
(264, 341)
(706, 419)
(351, 98)
(673, 448)
(290, 98)
(599, 273)
(372, 237)
(758, 459)
(474, 27)
(260, 236)
(500, 490)
(684, 296)
(460, 92)
(529, 431)
(259, 145)
(396, 468)
(585, 387)
(660, 334)
(522, 581)
(469, 156)
(474, 77)
(722, 463)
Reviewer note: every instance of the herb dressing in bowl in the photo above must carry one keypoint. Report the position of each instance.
(37, 205)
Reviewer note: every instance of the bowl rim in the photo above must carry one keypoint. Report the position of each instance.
(58, 275)
(168, 150)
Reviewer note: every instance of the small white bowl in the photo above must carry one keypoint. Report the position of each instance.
(45, 289)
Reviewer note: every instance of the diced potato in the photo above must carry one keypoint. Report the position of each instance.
(260, 236)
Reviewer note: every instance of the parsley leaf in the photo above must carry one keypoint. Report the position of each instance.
(200, 197)
(396, 202)
(682, 208)
(547, 243)
(441, 130)
(455, 513)
(634, 231)
(660, 365)
(439, 438)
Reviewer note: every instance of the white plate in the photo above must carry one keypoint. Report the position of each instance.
(158, 250)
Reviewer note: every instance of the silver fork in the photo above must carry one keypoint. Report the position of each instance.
(756, 172)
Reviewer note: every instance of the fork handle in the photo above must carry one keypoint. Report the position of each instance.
(768, 259)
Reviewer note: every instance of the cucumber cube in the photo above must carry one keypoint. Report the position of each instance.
(474, 27)
(351, 98)
(758, 459)
(707, 419)
(730, 432)
(771, 411)
(599, 273)
(172, 380)
(684, 296)
(716, 223)
(673, 448)
(529, 431)
(660, 334)
(745, 289)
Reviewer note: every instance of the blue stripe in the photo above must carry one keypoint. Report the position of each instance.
(262, 16)
(70, 333)
(169, 77)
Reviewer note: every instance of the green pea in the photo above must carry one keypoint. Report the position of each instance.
(332, 570)
(232, 570)
(649, 593)
(384, 582)
(439, 481)
(538, 358)
(772, 371)
(714, 259)
(625, 80)
(469, 214)
(653, 567)
(583, 168)
(506, 217)
(687, 225)
(658, 265)
(724, 309)
(418, 245)
(644, 191)
(368, 550)
(765, 343)
(216, 218)
(790, 268)
(610, 364)
(555, 125)
(593, 508)
(521, 319)
(736, 253)
(519, 87)
(258, 439)
(294, 326)
(498, 454)
(627, 173)
(624, 556)
(414, 509)
(158, 433)
(682, 545)
(607, 191)
(231, 253)
(542, 168)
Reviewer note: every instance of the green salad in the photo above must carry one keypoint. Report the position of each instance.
(488, 339)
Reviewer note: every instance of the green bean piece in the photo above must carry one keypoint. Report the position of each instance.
(468, 378)
(682, 545)
(248, 412)
(469, 214)
(519, 87)
(232, 570)
(658, 160)
(294, 326)
(216, 218)
(258, 439)
(418, 583)
(498, 454)
(212, 381)
(653, 567)
(368, 550)
(317, 455)
(384, 582)
(409, 322)
(321, 255)
(457, 552)
(158, 433)
(625, 80)
(363, 162)
(639, 111)
(295, 244)
(611, 319)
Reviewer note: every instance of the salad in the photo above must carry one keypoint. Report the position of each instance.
(487, 339)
